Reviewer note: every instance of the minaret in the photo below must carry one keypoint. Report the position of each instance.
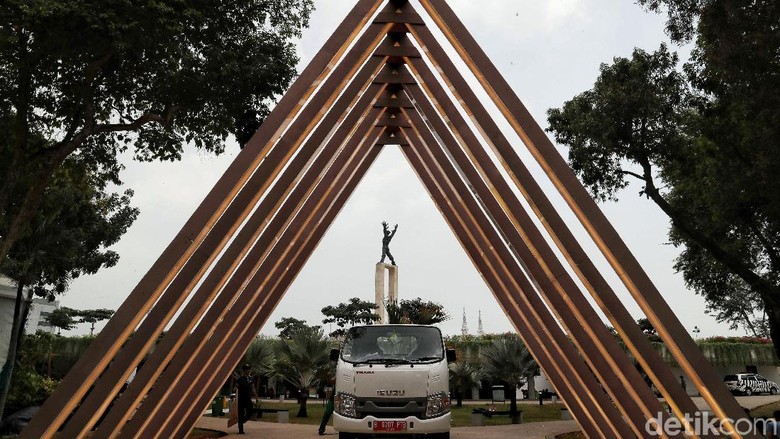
(480, 330)
(464, 330)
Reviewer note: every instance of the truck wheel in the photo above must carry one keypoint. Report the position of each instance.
(748, 391)
(773, 391)
(345, 435)
(445, 435)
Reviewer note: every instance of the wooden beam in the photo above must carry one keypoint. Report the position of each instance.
(673, 333)
(318, 224)
(605, 357)
(185, 356)
(101, 351)
(599, 289)
(544, 346)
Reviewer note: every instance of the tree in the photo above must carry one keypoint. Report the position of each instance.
(79, 220)
(704, 146)
(646, 327)
(260, 354)
(93, 316)
(302, 361)
(346, 315)
(91, 79)
(415, 311)
(463, 375)
(62, 318)
(288, 326)
(508, 361)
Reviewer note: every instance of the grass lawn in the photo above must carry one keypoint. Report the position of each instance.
(461, 417)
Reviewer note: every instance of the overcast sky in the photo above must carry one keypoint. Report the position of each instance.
(548, 51)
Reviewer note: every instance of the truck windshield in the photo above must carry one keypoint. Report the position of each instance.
(368, 344)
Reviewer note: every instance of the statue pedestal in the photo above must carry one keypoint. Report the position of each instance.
(379, 288)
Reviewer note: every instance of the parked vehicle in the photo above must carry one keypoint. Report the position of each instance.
(749, 384)
(392, 379)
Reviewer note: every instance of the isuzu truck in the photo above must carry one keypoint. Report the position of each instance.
(391, 380)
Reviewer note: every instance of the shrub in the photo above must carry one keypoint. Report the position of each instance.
(28, 388)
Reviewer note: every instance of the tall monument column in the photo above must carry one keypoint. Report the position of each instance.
(379, 277)
(379, 288)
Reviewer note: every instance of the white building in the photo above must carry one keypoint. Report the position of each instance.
(36, 318)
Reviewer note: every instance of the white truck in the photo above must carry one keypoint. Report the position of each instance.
(391, 380)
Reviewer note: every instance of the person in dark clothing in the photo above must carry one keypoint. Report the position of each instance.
(245, 390)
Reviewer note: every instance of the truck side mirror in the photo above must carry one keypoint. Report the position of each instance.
(334, 354)
(451, 356)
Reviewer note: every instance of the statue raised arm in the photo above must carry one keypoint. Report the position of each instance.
(388, 236)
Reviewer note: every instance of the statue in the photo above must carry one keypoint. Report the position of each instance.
(386, 242)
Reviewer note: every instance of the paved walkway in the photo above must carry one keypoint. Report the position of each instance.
(534, 430)
(272, 430)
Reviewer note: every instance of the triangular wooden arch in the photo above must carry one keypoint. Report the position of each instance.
(254, 231)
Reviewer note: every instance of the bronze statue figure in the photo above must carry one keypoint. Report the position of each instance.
(386, 242)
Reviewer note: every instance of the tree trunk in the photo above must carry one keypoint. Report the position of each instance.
(512, 398)
(769, 293)
(13, 345)
(459, 397)
(531, 386)
(773, 319)
(28, 209)
(302, 409)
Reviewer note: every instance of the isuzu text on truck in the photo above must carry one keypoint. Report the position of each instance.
(392, 379)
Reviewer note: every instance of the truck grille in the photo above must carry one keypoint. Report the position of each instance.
(384, 408)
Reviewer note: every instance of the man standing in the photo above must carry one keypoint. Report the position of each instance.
(245, 390)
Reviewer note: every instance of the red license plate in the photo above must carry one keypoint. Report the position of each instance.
(389, 425)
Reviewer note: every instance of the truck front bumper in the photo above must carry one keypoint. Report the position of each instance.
(414, 425)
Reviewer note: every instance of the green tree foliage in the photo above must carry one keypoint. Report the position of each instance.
(464, 375)
(303, 361)
(29, 388)
(646, 327)
(415, 311)
(69, 237)
(260, 355)
(93, 316)
(508, 361)
(92, 79)
(703, 142)
(31, 384)
(288, 326)
(79, 219)
(346, 315)
(62, 318)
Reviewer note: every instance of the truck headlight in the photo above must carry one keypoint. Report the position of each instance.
(437, 404)
(344, 404)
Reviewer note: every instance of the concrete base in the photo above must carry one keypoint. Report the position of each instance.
(379, 288)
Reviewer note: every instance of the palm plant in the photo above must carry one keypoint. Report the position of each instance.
(508, 361)
(260, 354)
(463, 375)
(302, 362)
